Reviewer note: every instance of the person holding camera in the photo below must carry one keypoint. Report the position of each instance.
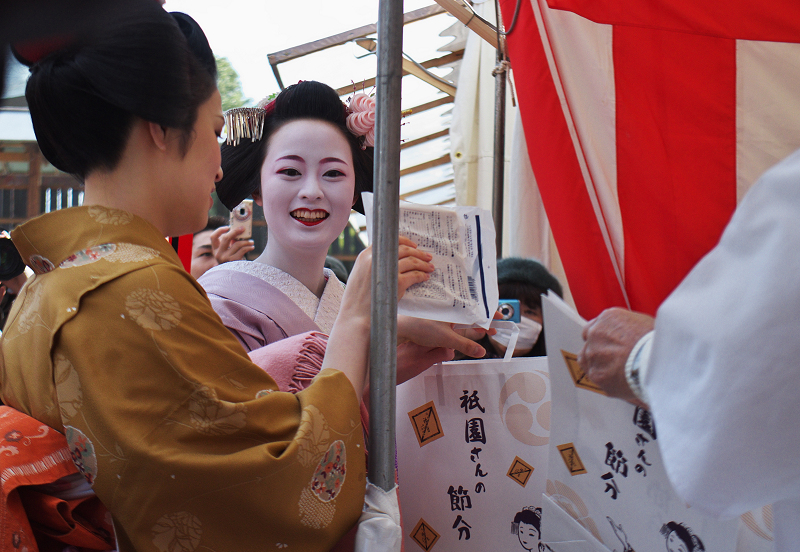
(217, 243)
(522, 280)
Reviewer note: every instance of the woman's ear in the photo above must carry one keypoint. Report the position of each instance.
(158, 134)
(257, 198)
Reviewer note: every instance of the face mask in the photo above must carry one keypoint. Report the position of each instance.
(529, 331)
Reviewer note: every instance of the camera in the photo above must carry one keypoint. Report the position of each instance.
(242, 216)
(509, 309)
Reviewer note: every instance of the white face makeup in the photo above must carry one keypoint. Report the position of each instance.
(307, 186)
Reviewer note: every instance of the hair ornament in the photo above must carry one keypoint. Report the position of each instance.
(244, 122)
(268, 104)
(247, 122)
(30, 52)
(361, 118)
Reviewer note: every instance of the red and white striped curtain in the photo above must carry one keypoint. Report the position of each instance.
(646, 121)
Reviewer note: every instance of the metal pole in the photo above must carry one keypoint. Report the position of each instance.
(498, 175)
(383, 335)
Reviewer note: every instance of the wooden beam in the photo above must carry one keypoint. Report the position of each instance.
(461, 11)
(443, 160)
(369, 83)
(364, 85)
(412, 68)
(13, 157)
(428, 138)
(14, 182)
(347, 36)
(6, 222)
(426, 76)
(426, 189)
(61, 181)
(34, 180)
(452, 57)
(431, 105)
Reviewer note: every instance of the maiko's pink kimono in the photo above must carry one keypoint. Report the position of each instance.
(262, 305)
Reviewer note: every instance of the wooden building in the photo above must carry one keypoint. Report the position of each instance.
(29, 185)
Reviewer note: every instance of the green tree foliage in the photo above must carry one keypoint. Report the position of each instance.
(230, 87)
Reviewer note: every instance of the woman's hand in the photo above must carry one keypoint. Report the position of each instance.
(413, 266)
(433, 333)
(226, 247)
(413, 359)
(348, 346)
(357, 294)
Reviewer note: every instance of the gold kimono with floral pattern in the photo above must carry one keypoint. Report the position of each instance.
(188, 444)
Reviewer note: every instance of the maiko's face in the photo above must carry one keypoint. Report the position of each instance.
(307, 186)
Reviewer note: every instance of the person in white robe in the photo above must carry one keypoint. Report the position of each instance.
(719, 364)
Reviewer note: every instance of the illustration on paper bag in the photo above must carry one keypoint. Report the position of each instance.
(527, 526)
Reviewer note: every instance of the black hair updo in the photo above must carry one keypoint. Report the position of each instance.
(85, 97)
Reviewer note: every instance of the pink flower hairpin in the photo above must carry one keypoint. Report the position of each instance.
(361, 118)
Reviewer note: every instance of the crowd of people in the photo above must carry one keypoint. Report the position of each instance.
(185, 399)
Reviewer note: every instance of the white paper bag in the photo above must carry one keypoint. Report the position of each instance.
(472, 442)
(605, 470)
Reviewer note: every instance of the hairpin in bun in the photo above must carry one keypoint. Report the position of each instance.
(361, 118)
(29, 52)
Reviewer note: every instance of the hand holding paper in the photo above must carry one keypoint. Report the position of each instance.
(605, 469)
(348, 346)
(609, 339)
(463, 287)
(433, 333)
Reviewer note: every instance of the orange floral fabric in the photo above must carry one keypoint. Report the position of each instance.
(31, 519)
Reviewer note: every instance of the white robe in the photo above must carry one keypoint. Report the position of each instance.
(723, 379)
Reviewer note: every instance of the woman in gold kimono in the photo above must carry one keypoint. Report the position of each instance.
(188, 444)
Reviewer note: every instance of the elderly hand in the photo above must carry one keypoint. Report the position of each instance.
(609, 339)
(226, 247)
